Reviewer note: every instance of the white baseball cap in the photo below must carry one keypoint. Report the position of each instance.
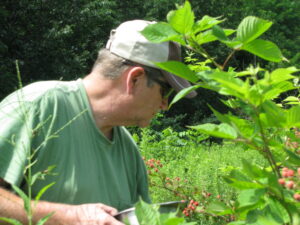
(127, 42)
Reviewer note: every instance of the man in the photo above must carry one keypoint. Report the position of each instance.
(78, 127)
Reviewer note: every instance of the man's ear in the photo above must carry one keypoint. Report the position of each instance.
(133, 78)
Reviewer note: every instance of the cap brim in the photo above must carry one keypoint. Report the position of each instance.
(178, 83)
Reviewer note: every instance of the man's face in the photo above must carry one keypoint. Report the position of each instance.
(150, 99)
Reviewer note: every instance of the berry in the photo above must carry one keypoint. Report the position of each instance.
(297, 197)
(298, 171)
(281, 181)
(290, 184)
(290, 173)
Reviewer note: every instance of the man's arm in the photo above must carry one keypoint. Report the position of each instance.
(93, 214)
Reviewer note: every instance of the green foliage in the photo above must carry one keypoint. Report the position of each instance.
(256, 120)
(149, 214)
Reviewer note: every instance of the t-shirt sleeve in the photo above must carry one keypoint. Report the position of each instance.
(16, 131)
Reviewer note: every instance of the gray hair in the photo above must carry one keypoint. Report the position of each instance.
(112, 66)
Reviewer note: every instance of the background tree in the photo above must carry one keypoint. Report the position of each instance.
(59, 39)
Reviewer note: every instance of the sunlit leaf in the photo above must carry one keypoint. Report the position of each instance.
(182, 19)
(220, 130)
(251, 28)
(208, 36)
(43, 190)
(264, 49)
(183, 93)
(206, 23)
(179, 69)
(160, 32)
(250, 197)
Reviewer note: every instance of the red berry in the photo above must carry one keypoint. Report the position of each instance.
(208, 194)
(285, 173)
(281, 181)
(290, 184)
(298, 171)
(297, 197)
(196, 203)
(290, 173)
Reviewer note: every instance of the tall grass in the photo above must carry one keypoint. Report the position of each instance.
(200, 164)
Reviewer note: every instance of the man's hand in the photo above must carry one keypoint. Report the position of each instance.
(11, 206)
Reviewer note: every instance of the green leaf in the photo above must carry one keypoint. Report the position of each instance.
(11, 221)
(293, 158)
(42, 191)
(179, 69)
(242, 184)
(205, 23)
(146, 213)
(219, 33)
(250, 197)
(252, 170)
(275, 116)
(218, 208)
(293, 116)
(183, 93)
(277, 211)
(208, 36)
(264, 49)
(160, 32)
(44, 219)
(291, 99)
(229, 84)
(282, 74)
(222, 130)
(182, 19)
(251, 28)
(25, 198)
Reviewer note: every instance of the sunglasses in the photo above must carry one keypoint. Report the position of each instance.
(166, 89)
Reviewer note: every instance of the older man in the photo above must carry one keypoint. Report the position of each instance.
(77, 126)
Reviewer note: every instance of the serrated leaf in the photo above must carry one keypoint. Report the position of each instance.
(293, 158)
(278, 212)
(222, 130)
(146, 213)
(242, 184)
(219, 33)
(264, 49)
(160, 32)
(208, 36)
(293, 116)
(275, 116)
(11, 221)
(182, 19)
(282, 74)
(250, 197)
(252, 170)
(206, 23)
(25, 198)
(179, 69)
(219, 208)
(251, 28)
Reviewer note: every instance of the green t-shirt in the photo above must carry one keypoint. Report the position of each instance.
(53, 120)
